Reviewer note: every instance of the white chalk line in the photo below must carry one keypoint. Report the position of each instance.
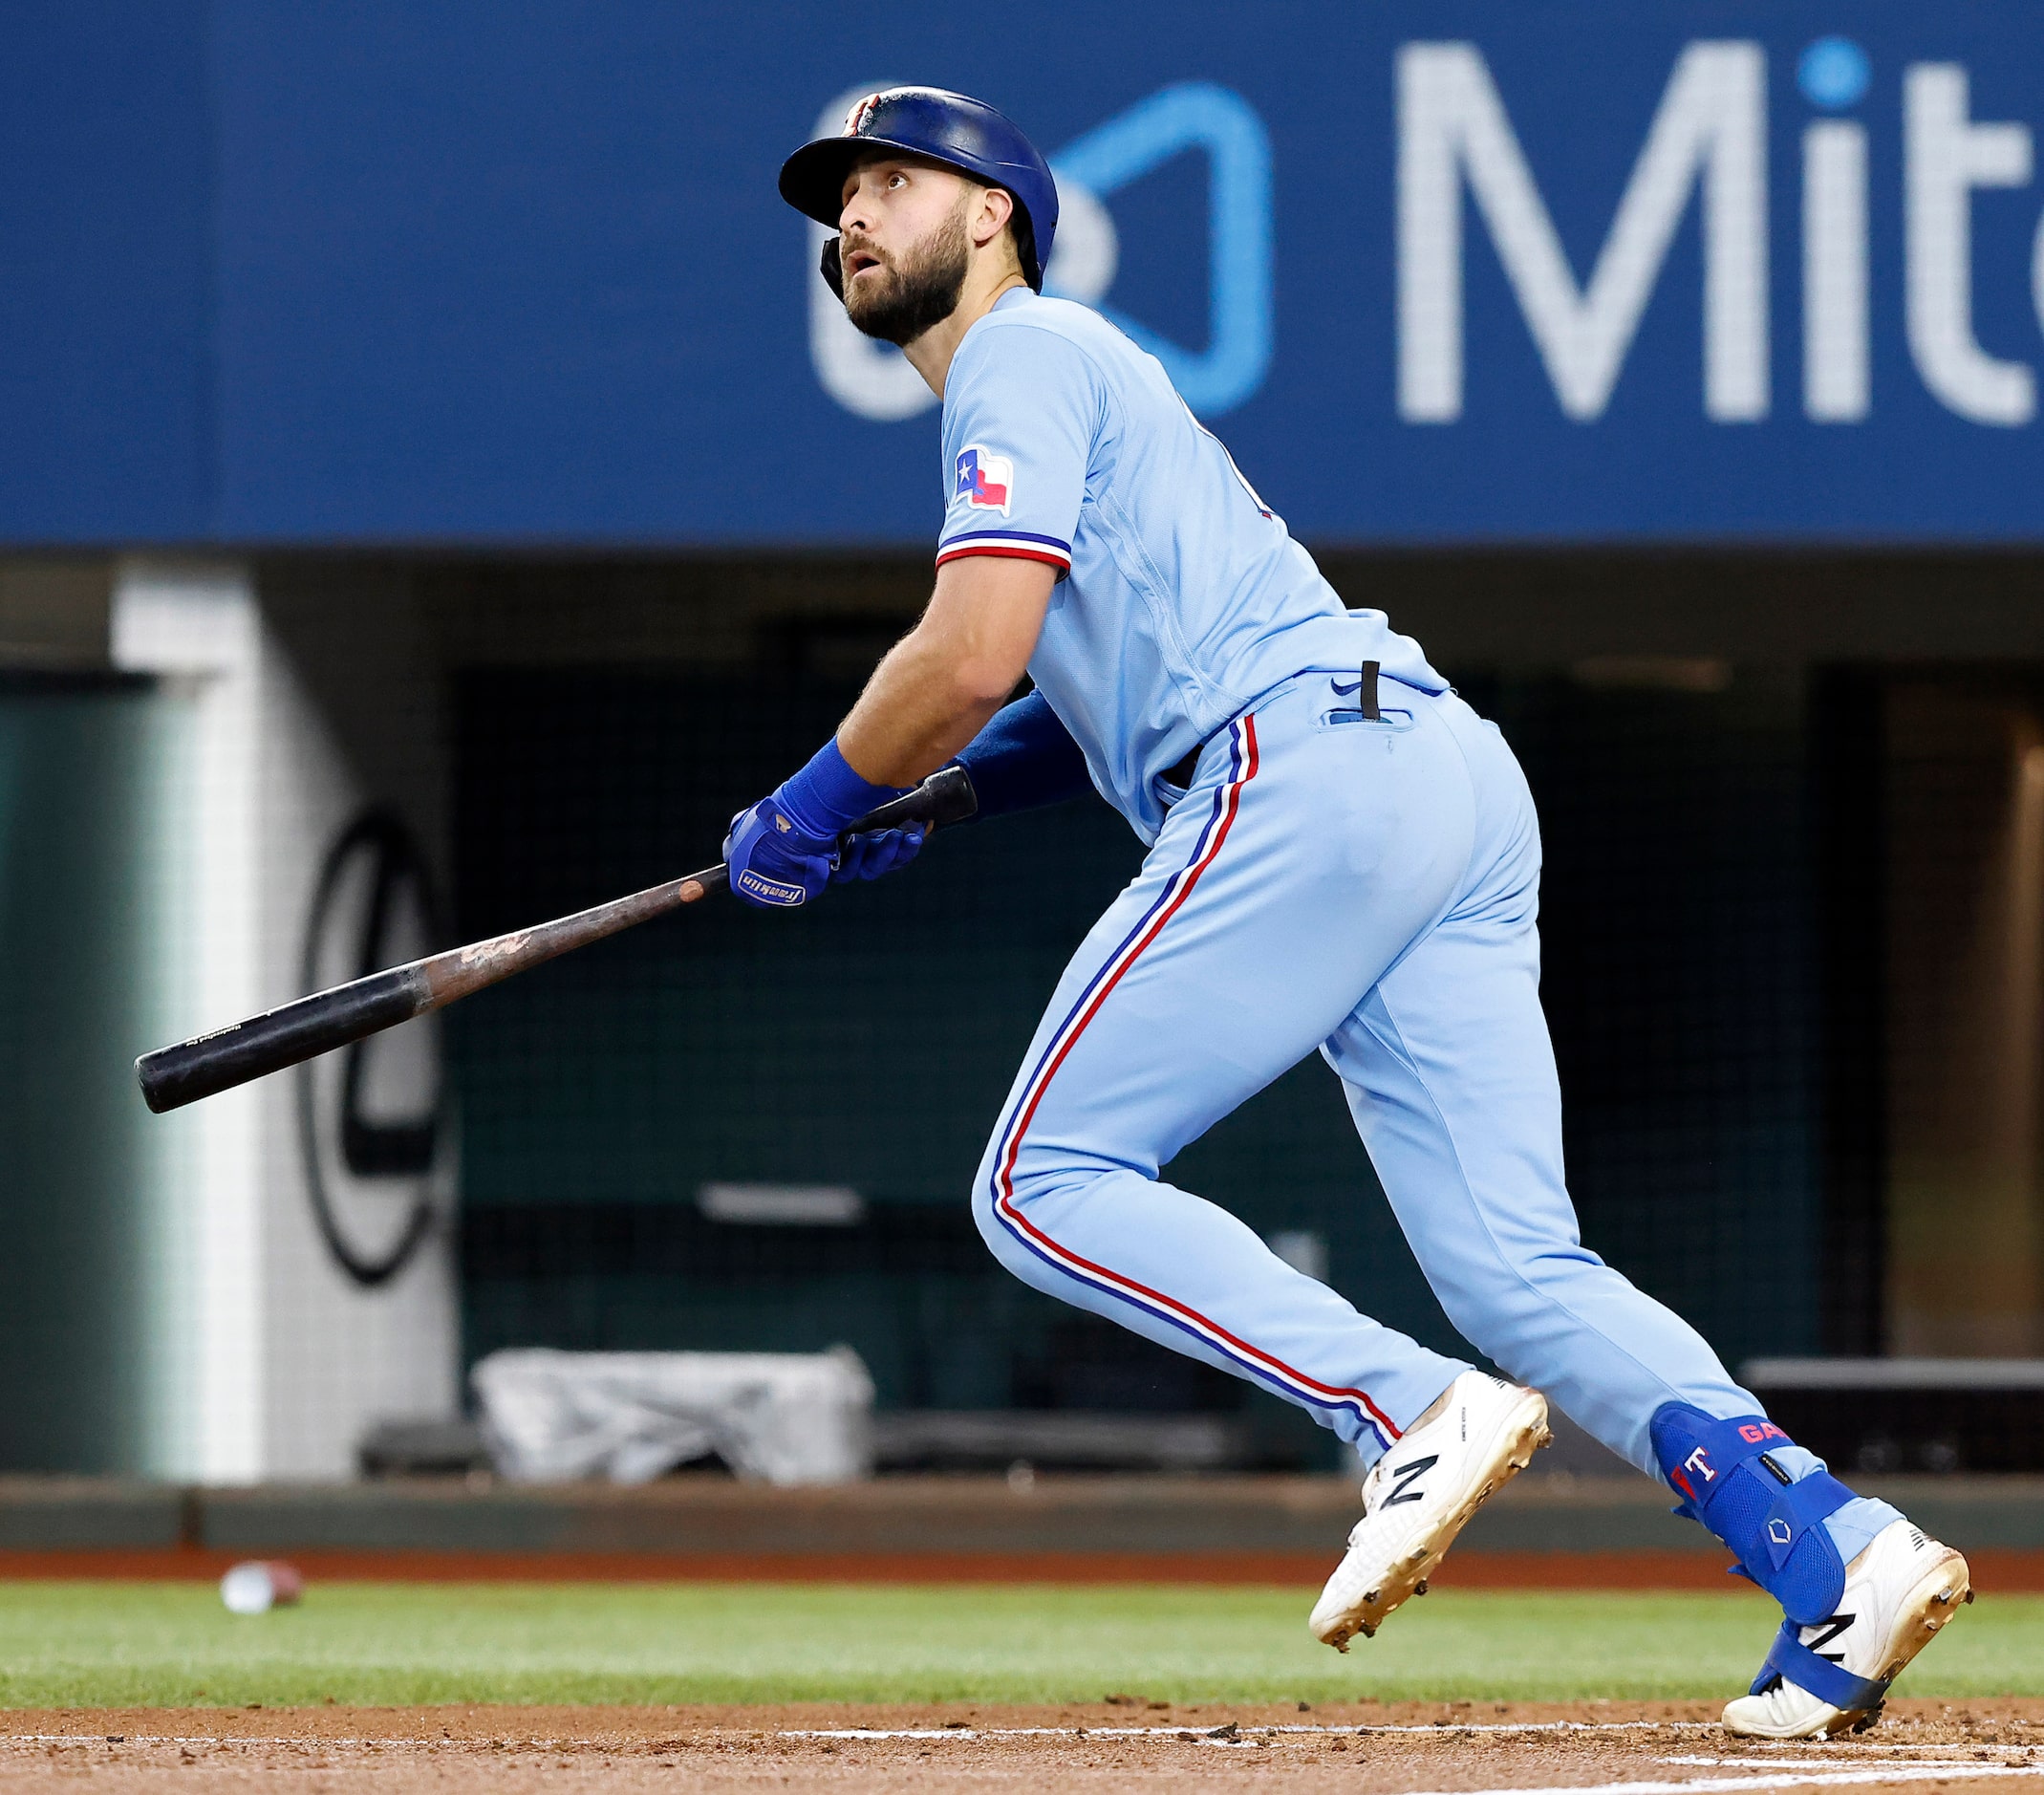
(1815, 1779)
(1238, 1735)
(1828, 1749)
(1440, 1729)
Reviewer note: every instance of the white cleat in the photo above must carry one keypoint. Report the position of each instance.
(1421, 1494)
(1899, 1592)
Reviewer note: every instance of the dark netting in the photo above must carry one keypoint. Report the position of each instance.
(867, 1041)
(1680, 984)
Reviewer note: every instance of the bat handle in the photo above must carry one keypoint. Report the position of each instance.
(697, 886)
(946, 796)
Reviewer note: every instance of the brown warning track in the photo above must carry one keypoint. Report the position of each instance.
(1367, 1748)
(2016, 1571)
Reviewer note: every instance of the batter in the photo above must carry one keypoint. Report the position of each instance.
(1343, 855)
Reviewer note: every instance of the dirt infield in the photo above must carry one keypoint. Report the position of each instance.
(1464, 1748)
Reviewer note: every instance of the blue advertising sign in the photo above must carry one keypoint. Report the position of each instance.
(453, 274)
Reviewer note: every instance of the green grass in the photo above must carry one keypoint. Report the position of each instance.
(113, 1644)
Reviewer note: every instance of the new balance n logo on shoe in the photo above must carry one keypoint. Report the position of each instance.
(1402, 1480)
(1833, 1627)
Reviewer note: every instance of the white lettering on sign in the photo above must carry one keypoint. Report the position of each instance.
(1946, 157)
(1710, 132)
(1708, 138)
(1836, 379)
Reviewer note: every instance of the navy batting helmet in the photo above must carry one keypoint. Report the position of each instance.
(962, 132)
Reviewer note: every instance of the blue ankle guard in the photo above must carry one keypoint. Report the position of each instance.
(1810, 1670)
(1774, 1527)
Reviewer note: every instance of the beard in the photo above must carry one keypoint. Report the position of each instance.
(916, 293)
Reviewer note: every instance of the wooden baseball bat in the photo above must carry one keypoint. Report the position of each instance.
(174, 1076)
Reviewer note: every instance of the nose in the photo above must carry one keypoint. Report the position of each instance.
(857, 213)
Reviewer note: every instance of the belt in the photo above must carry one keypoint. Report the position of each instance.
(1181, 775)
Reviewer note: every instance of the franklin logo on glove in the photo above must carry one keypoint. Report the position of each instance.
(787, 847)
(767, 891)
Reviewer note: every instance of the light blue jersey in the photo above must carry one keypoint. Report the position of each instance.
(1184, 597)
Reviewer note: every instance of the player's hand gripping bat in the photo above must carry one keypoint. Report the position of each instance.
(176, 1076)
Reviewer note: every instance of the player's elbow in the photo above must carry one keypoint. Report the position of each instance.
(968, 671)
(982, 681)
(959, 684)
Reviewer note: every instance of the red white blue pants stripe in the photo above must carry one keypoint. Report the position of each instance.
(1369, 889)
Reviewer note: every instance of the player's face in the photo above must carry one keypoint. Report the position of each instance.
(903, 246)
(892, 207)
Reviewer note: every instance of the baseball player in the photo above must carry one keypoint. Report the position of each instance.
(1342, 854)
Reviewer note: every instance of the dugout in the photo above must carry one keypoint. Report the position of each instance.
(408, 529)
(1790, 924)
(1792, 919)
(1786, 802)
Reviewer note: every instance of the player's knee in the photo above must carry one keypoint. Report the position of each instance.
(1003, 1225)
(983, 1210)
(1027, 1177)
(1000, 1240)
(993, 1211)
(1009, 1187)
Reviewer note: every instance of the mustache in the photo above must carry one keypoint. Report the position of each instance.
(849, 247)
(836, 249)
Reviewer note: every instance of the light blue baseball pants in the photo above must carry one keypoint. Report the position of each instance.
(1369, 889)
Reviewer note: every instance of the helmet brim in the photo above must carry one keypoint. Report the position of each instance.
(812, 180)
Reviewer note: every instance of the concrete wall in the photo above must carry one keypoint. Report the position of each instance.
(266, 1358)
(82, 780)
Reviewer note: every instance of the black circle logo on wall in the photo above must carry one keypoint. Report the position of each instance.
(372, 1118)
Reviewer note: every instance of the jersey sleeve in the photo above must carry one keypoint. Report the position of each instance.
(1021, 411)
(1023, 758)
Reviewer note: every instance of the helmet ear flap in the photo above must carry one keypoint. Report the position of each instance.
(832, 267)
(1025, 228)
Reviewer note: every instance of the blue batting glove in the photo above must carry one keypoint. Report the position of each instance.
(880, 852)
(784, 850)
(774, 862)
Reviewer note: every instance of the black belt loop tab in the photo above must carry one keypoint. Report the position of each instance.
(1367, 695)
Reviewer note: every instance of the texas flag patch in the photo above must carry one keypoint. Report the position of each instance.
(984, 481)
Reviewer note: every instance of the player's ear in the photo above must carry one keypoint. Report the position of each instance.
(997, 208)
(833, 266)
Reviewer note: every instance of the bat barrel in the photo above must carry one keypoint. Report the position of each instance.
(174, 1076)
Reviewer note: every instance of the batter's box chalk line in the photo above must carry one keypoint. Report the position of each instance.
(1827, 1751)
(1443, 1729)
(1815, 1779)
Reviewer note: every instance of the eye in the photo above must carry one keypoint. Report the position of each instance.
(898, 180)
